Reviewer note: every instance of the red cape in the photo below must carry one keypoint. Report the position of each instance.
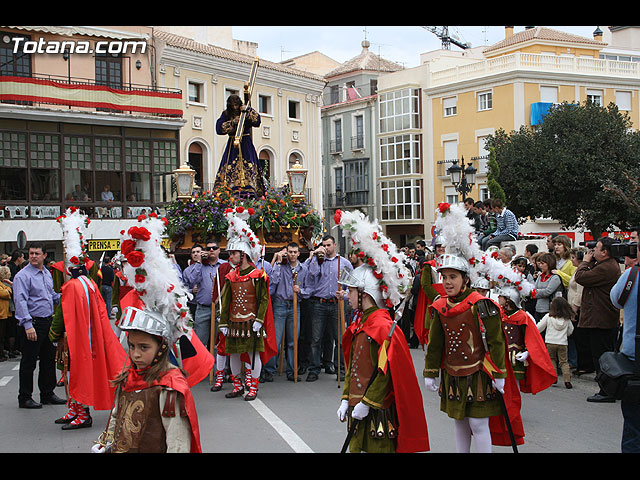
(412, 429)
(422, 306)
(513, 402)
(540, 373)
(96, 355)
(270, 346)
(173, 379)
(197, 366)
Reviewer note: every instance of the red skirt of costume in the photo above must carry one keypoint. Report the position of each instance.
(175, 380)
(412, 424)
(96, 355)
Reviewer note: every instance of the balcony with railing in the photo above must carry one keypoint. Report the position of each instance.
(535, 62)
(87, 94)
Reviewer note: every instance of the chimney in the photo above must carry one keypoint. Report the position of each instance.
(597, 34)
(508, 32)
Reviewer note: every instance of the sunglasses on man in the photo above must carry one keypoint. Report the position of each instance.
(212, 248)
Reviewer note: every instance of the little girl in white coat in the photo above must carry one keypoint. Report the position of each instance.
(558, 325)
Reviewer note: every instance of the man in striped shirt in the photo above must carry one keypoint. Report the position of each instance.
(507, 225)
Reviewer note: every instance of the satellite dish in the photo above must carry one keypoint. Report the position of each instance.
(22, 240)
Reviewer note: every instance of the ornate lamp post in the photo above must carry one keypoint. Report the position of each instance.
(297, 181)
(463, 179)
(184, 177)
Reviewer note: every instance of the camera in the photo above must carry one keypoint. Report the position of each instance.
(590, 245)
(624, 249)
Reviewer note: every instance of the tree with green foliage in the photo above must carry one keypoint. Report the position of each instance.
(560, 169)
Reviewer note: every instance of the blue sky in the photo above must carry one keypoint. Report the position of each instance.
(402, 44)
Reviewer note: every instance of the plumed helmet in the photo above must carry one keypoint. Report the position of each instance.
(145, 320)
(451, 260)
(240, 237)
(511, 292)
(362, 278)
(482, 283)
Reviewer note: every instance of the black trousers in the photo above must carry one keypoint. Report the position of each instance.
(41, 351)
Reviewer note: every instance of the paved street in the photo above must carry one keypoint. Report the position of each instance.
(288, 418)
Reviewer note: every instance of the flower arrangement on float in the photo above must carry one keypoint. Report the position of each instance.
(272, 212)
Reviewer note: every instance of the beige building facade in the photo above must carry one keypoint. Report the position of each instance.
(287, 99)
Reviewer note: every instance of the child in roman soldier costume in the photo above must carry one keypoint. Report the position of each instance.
(527, 352)
(466, 344)
(154, 410)
(381, 398)
(246, 316)
(88, 348)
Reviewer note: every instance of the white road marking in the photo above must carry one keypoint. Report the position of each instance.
(5, 380)
(289, 436)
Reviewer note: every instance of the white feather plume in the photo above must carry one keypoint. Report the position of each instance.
(388, 262)
(74, 239)
(240, 231)
(156, 279)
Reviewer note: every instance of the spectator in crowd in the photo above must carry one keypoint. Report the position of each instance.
(579, 357)
(15, 263)
(599, 318)
(34, 299)
(6, 303)
(550, 240)
(324, 269)
(491, 218)
(474, 218)
(630, 442)
(194, 257)
(106, 286)
(479, 210)
(282, 288)
(4, 259)
(505, 254)
(548, 285)
(564, 266)
(421, 246)
(199, 278)
(506, 225)
(558, 327)
(107, 194)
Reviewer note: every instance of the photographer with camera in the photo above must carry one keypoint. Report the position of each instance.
(599, 318)
(630, 410)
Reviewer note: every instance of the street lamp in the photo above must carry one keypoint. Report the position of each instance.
(297, 181)
(462, 179)
(184, 177)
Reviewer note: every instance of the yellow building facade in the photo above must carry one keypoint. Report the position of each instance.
(504, 86)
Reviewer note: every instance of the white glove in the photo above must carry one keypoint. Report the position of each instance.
(224, 331)
(342, 411)
(522, 356)
(97, 448)
(498, 383)
(257, 326)
(430, 383)
(114, 310)
(360, 411)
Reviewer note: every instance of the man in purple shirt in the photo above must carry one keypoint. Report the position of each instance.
(281, 287)
(324, 270)
(199, 278)
(34, 298)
